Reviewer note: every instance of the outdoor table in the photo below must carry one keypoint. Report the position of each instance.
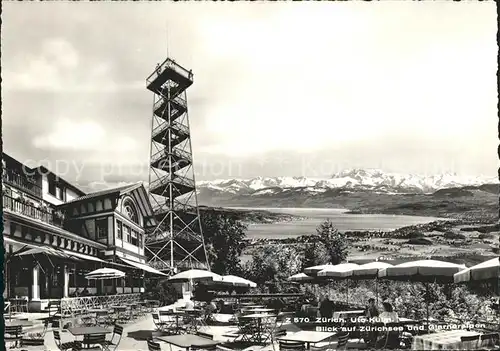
(78, 331)
(448, 340)
(309, 337)
(259, 317)
(17, 323)
(186, 341)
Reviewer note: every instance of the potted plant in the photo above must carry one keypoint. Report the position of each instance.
(59, 216)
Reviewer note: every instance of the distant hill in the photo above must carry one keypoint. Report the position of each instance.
(362, 191)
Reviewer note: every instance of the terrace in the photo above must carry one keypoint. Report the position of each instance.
(19, 180)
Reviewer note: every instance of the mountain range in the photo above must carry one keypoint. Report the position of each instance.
(352, 183)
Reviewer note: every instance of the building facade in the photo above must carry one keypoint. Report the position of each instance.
(54, 234)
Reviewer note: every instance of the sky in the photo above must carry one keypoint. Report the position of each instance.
(280, 89)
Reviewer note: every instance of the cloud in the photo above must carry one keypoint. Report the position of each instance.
(334, 80)
(59, 67)
(82, 135)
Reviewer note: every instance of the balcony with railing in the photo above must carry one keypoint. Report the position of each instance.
(27, 208)
(167, 72)
(24, 183)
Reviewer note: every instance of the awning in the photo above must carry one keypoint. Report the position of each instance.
(83, 256)
(142, 266)
(20, 243)
(47, 250)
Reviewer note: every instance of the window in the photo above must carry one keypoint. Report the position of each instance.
(83, 209)
(101, 228)
(119, 231)
(134, 238)
(98, 206)
(52, 185)
(60, 192)
(126, 230)
(140, 241)
(130, 211)
(91, 207)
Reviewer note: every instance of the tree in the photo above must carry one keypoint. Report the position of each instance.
(314, 252)
(272, 265)
(334, 241)
(224, 240)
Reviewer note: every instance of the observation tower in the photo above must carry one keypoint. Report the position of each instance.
(175, 243)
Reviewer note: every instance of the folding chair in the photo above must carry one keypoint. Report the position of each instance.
(490, 342)
(32, 339)
(95, 341)
(13, 334)
(472, 341)
(111, 344)
(153, 346)
(78, 347)
(292, 346)
(159, 324)
(62, 346)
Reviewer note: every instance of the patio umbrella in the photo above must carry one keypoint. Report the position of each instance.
(314, 270)
(424, 271)
(486, 270)
(370, 271)
(301, 277)
(235, 281)
(105, 273)
(194, 275)
(339, 272)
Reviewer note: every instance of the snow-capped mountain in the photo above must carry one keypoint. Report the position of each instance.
(372, 180)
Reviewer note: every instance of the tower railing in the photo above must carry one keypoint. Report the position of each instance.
(172, 178)
(181, 154)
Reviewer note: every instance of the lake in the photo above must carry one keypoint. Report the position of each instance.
(342, 220)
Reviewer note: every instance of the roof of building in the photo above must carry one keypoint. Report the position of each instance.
(44, 170)
(118, 190)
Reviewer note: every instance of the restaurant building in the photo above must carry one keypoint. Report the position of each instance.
(54, 233)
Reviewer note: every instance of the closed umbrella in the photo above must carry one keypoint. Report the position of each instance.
(483, 271)
(425, 271)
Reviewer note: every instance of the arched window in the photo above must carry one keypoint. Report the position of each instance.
(130, 211)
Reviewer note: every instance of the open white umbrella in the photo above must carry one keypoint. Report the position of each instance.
(194, 275)
(235, 281)
(105, 273)
(301, 277)
(369, 271)
(339, 272)
(314, 270)
(486, 270)
(424, 271)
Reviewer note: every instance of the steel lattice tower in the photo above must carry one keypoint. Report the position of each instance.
(176, 241)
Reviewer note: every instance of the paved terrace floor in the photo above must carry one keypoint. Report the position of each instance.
(135, 333)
